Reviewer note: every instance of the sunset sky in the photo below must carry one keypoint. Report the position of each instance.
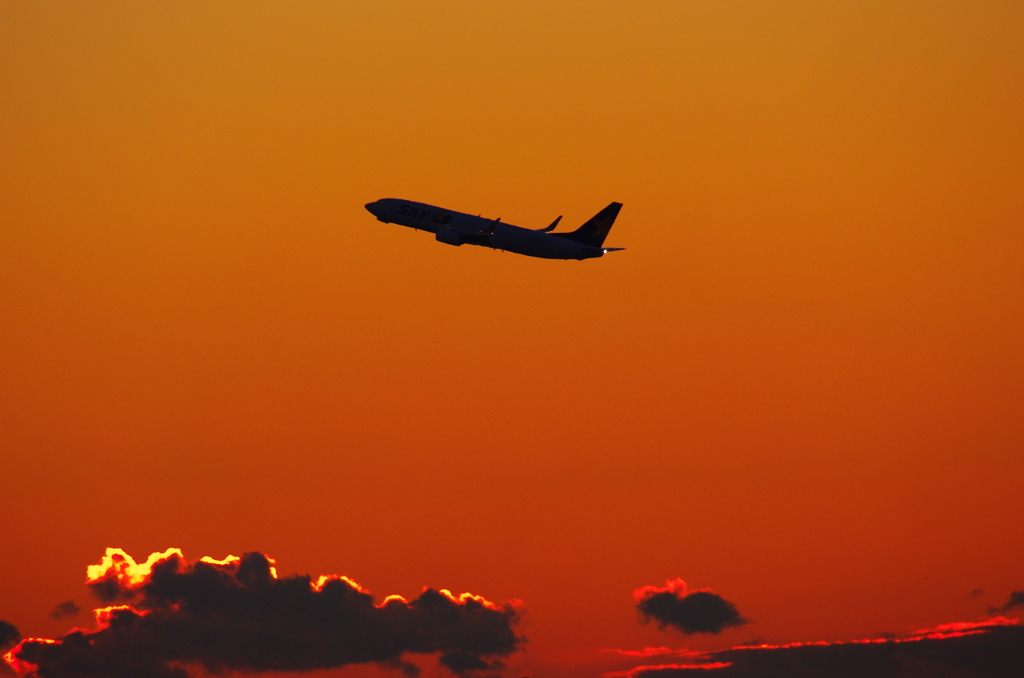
(800, 386)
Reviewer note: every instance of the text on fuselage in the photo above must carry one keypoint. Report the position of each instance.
(423, 213)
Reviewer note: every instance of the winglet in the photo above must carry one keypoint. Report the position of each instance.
(551, 227)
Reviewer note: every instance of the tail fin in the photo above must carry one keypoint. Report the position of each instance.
(596, 230)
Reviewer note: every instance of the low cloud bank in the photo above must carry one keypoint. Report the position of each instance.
(990, 649)
(237, 615)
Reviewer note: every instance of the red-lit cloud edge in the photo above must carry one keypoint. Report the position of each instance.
(712, 660)
(130, 575)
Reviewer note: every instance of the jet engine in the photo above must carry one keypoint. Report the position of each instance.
(448, 237)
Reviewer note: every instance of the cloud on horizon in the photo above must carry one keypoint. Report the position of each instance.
(700, 611)
(993, 648)
(237, 615)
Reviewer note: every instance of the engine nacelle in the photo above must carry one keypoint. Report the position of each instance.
(448, 237)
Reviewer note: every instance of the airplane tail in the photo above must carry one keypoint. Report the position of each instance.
(596, 230)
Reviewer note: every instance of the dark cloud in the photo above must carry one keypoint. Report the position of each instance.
(993, 652)
(696, 612)
(461, 662)
(237, 615)
(9, 636)
(407, 669)
(1016, 600)
(68, 609)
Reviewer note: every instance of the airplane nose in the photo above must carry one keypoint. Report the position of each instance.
(378, 210)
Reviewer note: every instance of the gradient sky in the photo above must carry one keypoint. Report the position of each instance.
(802, 385)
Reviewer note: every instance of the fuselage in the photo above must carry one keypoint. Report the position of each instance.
(458, 228)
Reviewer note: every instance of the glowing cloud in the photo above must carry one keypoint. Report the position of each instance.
(235, 614)
(118, 574)
(656, 652)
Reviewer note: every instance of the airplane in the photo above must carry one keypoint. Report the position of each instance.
(457, 228)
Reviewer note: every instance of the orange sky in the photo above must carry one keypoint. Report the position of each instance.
(802, 384)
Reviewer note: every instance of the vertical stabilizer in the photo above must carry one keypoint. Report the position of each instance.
(596, 230)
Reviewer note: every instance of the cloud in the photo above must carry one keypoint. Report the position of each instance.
(68, 609)
(699, 611)
(1016, 600)
(237, 615)
(993, 649)
(653, 652)
(464, 662)
(9, 635)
